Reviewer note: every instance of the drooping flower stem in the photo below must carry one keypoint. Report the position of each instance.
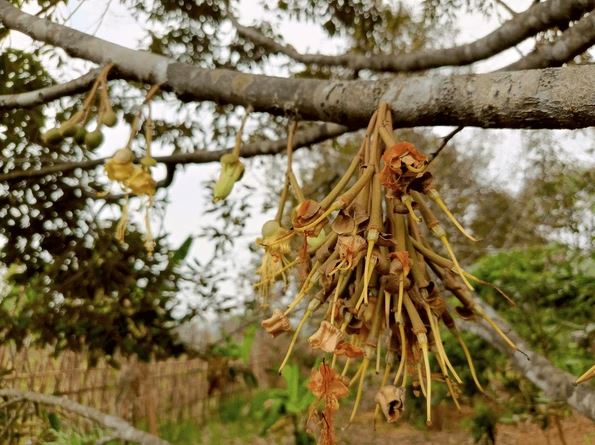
(433, 193)
(314, 303)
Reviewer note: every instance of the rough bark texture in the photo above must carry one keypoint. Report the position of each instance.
(122, 429)
(550, 98)
(539, 17)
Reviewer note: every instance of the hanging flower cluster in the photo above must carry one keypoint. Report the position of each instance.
(371, 270)
(134, 176)
(96, 101)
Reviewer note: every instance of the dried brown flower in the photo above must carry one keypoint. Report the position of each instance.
(326, 337)
(276, 324)
(392, 402)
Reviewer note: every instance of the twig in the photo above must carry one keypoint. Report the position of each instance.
(48, 94)
(445, 141)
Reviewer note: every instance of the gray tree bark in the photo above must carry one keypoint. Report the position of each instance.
(555, 383)
(548, 98)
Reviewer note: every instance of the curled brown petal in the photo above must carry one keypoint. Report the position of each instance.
(276, 324)
(326, 337)
(348, 350)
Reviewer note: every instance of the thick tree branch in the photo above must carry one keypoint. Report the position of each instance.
(539, 17)
(553, 98)
(555, 383)
(303, 138)
(123, 430)
(44, 95)
(574, 41)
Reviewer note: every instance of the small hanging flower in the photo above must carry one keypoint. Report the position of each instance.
(231, 172)
(392, 402)
(276, 324)
(326, 337)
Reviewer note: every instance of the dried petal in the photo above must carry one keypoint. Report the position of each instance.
(326, 384)
(308, 209)
(326, 337)
(343, 224)
(348, 350)
(351, 248)
(392, 402)
(276, 324)
(400, 263)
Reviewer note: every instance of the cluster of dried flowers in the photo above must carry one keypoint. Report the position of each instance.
(370, 268)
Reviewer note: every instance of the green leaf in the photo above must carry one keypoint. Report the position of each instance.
(181, 252)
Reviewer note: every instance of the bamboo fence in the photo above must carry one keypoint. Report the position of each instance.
(156, 392)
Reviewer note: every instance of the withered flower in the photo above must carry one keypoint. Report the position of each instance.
(276, 324)
(326, 337)
(327, 385)
(392, 402)
(351, 249)
(348, 350)
(305, 213)
(402, 164)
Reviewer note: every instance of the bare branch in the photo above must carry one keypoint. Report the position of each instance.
(539, 17)
(574, 41)
(549, 98)
(303, 138)
(555, 383)
(445, 140)
(123, 430)
(44, 95)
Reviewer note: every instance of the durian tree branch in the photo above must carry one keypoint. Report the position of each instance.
(303, 138)
(573, 41)
(538, 17)
(122, 430)
(555, 383)
(548, 98)
(44, 95)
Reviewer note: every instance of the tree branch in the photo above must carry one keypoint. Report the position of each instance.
(44, 95)
(553, 98)
(539, 17)
(574, 41)
(303, 138)
(555, 383)
(124, 431)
